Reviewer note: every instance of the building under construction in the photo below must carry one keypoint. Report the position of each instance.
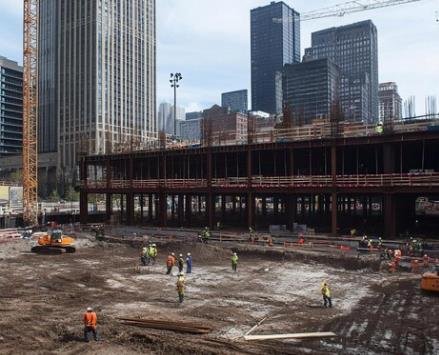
(331, 176)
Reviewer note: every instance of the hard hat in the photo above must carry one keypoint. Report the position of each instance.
(89, 309)
(173, 254)
(235, 254)
(188, 254)
(154, 245)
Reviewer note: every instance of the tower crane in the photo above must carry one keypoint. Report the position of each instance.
(351, 7)
(30, 112)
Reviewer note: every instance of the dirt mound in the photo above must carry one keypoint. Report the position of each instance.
(200, 252)
(338, 261)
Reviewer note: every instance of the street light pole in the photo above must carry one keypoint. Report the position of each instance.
(175, 79)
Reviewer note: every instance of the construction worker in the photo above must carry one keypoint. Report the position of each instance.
(426, 261)
(206, 234)
(170, 262)
(180, 287)
(180, 263)
(414, 264)
(235, 262)
(144, 256)
(397, 257)
(152, 253)
(90, 322)
(326, 293)
(189, 263)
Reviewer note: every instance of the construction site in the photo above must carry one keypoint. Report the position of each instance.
(289, 236)
(276, 287)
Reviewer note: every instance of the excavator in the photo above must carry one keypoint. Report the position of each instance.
(54, 241)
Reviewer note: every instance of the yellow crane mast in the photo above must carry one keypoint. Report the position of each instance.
(30, 112)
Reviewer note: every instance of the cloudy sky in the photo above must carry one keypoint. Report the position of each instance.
(208, 42)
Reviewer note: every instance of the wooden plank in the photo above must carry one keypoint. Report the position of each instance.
(257, 325)
(290, 336)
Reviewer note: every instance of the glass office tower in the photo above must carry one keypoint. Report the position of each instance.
(275, 41)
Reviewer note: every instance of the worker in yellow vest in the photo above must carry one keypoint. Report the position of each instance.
(326, 293)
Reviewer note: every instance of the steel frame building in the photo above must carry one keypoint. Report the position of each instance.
(331, 184)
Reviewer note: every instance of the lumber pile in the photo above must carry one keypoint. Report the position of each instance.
(290, 336)
(181, 327)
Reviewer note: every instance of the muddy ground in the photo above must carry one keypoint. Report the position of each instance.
(43, 297)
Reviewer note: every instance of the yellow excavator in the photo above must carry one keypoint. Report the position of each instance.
(55, 241)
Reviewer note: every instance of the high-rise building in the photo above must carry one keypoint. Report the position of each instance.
(11, 107)
(275, 41)
(97, 76)
(354, 48)
(164, 117)
(165, 120)
(311, 89)
(390, 102)
(235, 101)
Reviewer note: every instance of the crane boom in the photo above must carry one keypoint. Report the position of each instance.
(30, 112)
(351, 7)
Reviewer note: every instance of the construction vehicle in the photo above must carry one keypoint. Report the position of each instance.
(54, 241)
(430, 281)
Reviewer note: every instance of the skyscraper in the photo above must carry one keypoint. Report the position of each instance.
(354, 48)
(390, 102)
(275, 41)
(165, 120)
(11, 107)
(236, 101)
(97, 76)
(311, 89)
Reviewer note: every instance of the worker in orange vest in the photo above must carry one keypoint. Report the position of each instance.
(414, 265)
(170, 262)
(397, 254)
(426, 261)
(90, 322)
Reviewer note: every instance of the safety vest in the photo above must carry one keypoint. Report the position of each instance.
(180, 284)
(235, 259)
(326, 291)
(90, 319)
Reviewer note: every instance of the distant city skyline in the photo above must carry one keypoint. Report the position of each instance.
(215, 58)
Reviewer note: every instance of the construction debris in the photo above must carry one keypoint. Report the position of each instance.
(181, 327)
(291, 336)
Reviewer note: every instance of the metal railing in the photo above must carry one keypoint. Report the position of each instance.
(343, 181)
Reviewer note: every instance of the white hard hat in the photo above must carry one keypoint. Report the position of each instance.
(89, 309)
(181, 255)
(188, 254)
(235, 254)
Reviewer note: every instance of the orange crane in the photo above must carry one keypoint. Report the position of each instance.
(30, 112)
